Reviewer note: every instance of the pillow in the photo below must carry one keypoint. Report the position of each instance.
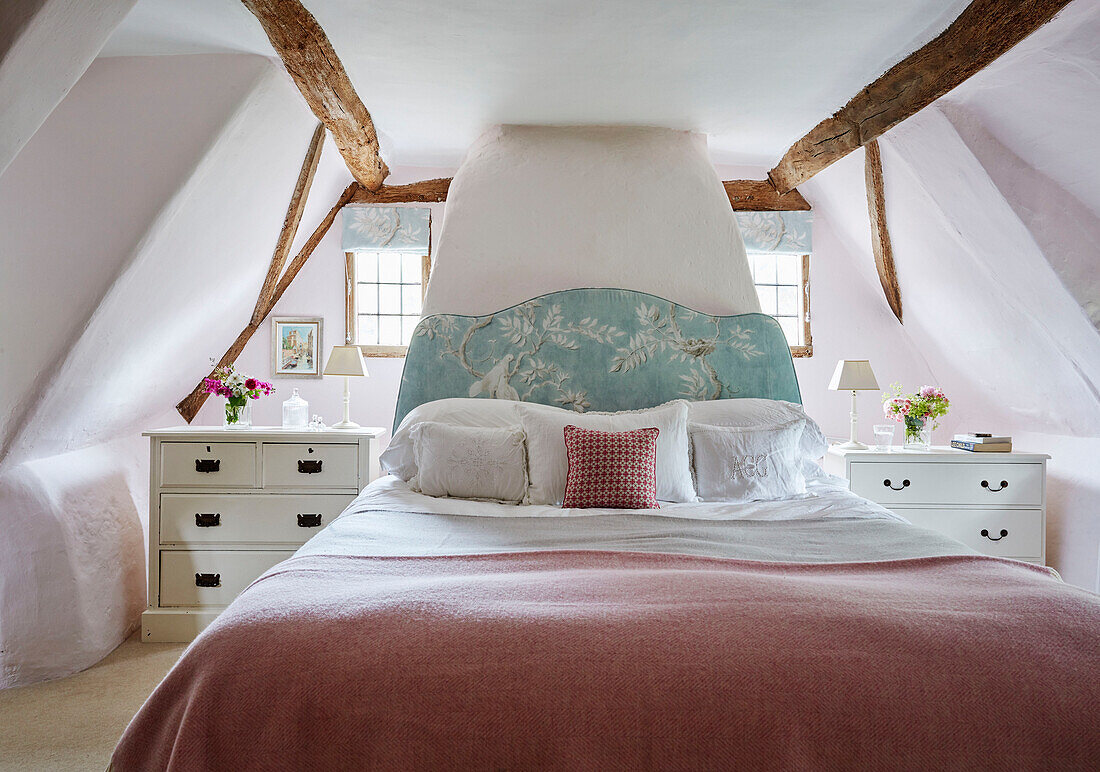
(755, 412)
(548, 466)
(470, 462)
(748, 464)
(399, 458)
(611, 469)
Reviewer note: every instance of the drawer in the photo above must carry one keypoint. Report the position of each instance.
(1022, 529)
(232, 572)
(991, 485)
(208, 464)
(306, 465)
(241, 518)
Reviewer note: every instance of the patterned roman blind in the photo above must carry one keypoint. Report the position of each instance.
(790, 232)
(386, 228)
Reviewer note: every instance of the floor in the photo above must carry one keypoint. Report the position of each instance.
(73, 723)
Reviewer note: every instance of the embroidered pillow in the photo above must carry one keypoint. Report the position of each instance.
(470, 462)
(399, 458)
(746, 464)
(547, 459)
(611, 469)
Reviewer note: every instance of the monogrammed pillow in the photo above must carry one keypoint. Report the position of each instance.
(746, 464)
(470, 462)
(611, 469)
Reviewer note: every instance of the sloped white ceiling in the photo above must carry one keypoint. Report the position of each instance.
(752, 75)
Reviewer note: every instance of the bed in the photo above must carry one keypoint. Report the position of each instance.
(815, 631)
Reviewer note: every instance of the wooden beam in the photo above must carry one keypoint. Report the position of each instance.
(880, 236)
(761, 196)
(425, 191)
(984, 31)
(290, 222)
(189, 406)
(312, 62)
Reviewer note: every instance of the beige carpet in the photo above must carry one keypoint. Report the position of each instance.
(73, 723)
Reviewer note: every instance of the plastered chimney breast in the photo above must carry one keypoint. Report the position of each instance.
(536, 209)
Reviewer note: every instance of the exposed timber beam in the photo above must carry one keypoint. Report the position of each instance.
(425, 191)
(290, 222)
(984, 31)
(189, 406)
(880, 236)
(761, 196)
(312, 62)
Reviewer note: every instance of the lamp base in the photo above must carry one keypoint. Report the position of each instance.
(345, 425)
(851, 446)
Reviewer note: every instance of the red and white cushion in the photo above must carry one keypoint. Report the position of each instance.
(611, 469)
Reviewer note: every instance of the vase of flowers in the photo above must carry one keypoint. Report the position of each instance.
(918, 412)
(238, 391)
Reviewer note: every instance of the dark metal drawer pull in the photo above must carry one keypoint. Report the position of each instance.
(985, 484)
(208, 580)
(309, 521)
(208, 464)
(985, 533)
(888, 484)
(208, 519)
(309, 467)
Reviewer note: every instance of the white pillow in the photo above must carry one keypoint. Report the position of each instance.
(548, 465)
(470, 462)
(758, 413)
(743, 464)
(399, 458)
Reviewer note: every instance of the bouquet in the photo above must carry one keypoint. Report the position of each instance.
(917, 411)
(237, 389)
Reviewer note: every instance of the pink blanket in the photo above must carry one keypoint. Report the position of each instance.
(614, 660)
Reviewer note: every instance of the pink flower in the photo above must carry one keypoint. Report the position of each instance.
(251, 384)
(927, 392)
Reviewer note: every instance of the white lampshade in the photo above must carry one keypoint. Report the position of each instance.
(853, 375)
(346, 360)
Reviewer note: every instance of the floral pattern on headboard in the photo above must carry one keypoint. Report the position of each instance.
(597, 349)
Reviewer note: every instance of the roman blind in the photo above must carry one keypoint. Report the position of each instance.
(776, 231)
(386, 228)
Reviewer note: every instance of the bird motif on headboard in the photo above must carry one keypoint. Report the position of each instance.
(603, 349)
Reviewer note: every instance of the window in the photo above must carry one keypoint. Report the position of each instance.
(385, 297)
(783, 283)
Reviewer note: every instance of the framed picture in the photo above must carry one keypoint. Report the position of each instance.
(296, 347)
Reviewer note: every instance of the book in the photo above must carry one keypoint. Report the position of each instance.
(982, 439)
(982, 447)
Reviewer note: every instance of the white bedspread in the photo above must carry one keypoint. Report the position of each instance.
(828, 524)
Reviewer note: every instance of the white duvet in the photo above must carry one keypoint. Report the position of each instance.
(827, 524)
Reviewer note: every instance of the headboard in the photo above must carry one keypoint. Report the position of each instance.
(597, 349)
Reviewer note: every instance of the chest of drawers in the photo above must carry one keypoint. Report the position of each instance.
(994, 503)
(226, 505)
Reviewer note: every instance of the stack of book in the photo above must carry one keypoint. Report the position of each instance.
(982, 443)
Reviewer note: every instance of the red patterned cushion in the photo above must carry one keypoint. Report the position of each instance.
(611, 469)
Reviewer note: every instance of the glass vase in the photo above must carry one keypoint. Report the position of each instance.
(918, 434)
(238, 413)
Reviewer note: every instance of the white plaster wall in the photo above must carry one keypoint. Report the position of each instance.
(167, 281)
(534, 209)
(78, 199)
(49, 46)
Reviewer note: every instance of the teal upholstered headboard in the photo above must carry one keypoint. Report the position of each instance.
(597, 349)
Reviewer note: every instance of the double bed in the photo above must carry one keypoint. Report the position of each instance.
(813, 631)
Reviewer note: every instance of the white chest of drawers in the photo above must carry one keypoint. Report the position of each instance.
(994, 503)
(226, 505)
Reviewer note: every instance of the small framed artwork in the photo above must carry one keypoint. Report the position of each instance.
(296, 347)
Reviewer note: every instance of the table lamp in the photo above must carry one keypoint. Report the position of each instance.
(853, 375)
(346, 361)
